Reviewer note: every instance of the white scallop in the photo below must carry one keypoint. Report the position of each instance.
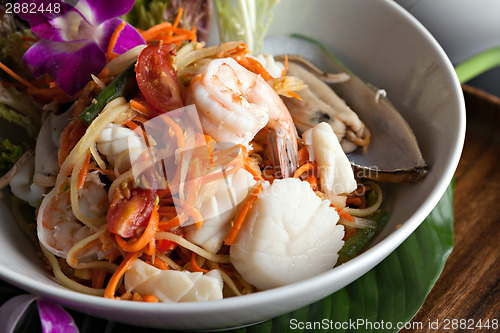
(173, 286)
(335, 171)
(219, 202)
(289, 235)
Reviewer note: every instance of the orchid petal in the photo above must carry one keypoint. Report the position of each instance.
(41, 22)
(55, 319)
(128, 39)
(98, 11)
(70, 63)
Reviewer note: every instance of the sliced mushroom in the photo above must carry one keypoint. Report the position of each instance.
(319, 103)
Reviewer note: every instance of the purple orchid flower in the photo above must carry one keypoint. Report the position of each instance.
(74, 39)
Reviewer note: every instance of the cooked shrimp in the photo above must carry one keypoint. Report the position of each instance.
(335, 171)
(289, 234)
(234, 104)
(58, 228)
(173, 286)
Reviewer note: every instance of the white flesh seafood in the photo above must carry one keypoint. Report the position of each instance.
(47, 146)
(335, 171)
(22, 184)
(273, 67)
(289, 235)
(120, 145)
(219, 201)
(173, 286)
(234, 104)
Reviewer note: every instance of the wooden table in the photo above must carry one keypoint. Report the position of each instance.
(468, 290)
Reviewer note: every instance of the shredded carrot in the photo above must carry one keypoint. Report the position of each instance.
(254, 66)
(343, 214)
(161, 264)
(156, 30)
(45, 92)
(178, 18)
(283, 73)
(313, 181)
(302, 155)
(237, 164)
(17, 77)
(304, 168)
(209, 140)
(293, 94)
(349, 232)
(169, 33)
(113, 281)
(103, 73)
(178, 38)
(130, 124)
(146, 236)
(163, 192)
(98, 276)
(174, 222)
(150, 248)
(353, 201)
(112, 41)
(198, 218)
(107, 172)
(143, 107)
(29, 39)
(150, 299)
(195, 266)
(137, 297)
(12, 84)
(70, 136)
(170, 224)
(167, 210)
(250, 168)
(241, 218)
(83, 172)
(179, 134)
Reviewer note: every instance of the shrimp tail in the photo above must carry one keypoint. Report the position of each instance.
(283, 150)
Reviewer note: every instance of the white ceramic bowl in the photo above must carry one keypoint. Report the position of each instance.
(385, 46)
(462, 27)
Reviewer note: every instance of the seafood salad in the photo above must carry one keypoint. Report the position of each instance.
(165, 170)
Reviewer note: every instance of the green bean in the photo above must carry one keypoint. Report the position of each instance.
(120, 86)
(354, 244)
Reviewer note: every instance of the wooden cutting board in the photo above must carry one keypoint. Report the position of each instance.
(467, 294)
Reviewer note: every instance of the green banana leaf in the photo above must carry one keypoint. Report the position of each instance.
(387, 296)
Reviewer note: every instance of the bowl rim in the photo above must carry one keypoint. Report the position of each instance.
(368, 258)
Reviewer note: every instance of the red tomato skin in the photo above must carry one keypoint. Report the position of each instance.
(157, 79)
(126, 216)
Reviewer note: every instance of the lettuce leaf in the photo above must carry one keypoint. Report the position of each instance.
(196, 13)
(19, 119)
(12, 46)
(9, 154)
(146, 14)
(246, 20)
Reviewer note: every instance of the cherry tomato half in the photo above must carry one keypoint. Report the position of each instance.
(157, 79)
(127, 215)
